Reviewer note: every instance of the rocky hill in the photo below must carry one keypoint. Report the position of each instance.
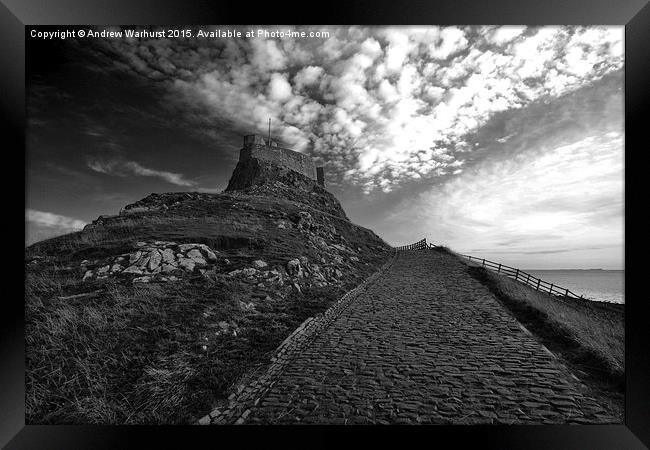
(152, 315)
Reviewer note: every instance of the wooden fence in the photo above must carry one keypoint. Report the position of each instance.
(512, 272)
(524, 277)
(420, 245)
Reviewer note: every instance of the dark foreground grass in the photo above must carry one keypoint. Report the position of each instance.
(587, 335)
(145, 354)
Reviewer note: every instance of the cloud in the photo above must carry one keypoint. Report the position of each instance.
(503, 35)
(570, 197)
(124, 168)
(51, 220)
(381, 106)
(279, 88)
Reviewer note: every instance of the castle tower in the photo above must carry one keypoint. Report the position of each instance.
(260, 147)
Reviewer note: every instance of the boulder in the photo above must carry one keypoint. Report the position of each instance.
(196, 256)
(116, 268)
(185, 247)
(134, 257)
(259, 264)
(134, 269)
(155, 258)
(87, 275)
(167, 268)
(186, 264)
(293, 267)
(168, 256)
(249, 271)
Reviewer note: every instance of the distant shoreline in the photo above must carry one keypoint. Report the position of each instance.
(573, 270)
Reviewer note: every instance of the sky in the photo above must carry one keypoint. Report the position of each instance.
(497, 141)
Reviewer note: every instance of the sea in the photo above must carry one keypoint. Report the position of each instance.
(594, 284)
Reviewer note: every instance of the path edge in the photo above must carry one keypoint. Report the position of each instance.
(249, 395)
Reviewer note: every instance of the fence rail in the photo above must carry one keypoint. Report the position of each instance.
(512, 272)
(524, 277)
(420, 245)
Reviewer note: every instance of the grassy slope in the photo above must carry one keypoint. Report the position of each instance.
(149, 353)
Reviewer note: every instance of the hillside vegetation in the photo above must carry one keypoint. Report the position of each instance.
(153, 315)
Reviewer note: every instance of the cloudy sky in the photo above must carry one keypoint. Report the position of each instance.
(503, 142)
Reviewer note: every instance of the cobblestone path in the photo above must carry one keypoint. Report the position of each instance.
(426, 343)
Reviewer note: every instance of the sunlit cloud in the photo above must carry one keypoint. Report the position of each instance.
(380, 106)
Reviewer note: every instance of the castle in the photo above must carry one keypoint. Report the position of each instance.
(259, 147)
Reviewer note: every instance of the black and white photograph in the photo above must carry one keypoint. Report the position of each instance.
(325, 225)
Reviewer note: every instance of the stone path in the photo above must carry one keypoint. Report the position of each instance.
(425, 343)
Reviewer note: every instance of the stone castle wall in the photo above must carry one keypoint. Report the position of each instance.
(282, 156)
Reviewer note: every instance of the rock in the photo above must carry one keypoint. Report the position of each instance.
(140, 244)
(293, 267)
(185, 247)
(168, 256)
(210, 255)
(133, 269)
(303, 260)
(234, 273)
(142, 262)
(163, 243)
(354, 258)
(284, 224)
(155, 258)
(338, 273)
(145, 279)
(187, 264)
(226, 261)
(167, 268)
(207, 251)
(250, 306)
(103, 270)
(259, 264)
(87, 275)
(306, 220)
(134, 257)
(196, 256)
(297, 287)
(249, 271)
(116, 268)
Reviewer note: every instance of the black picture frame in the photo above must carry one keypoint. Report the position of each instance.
(15, 15)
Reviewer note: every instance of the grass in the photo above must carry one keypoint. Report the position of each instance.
(587, 335)
(146, 354)
(154, 354)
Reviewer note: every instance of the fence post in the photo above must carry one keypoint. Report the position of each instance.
(517, 275)
(566, 294)
(539, 280)
(499, 270)
(483, 261)
(550, 290)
